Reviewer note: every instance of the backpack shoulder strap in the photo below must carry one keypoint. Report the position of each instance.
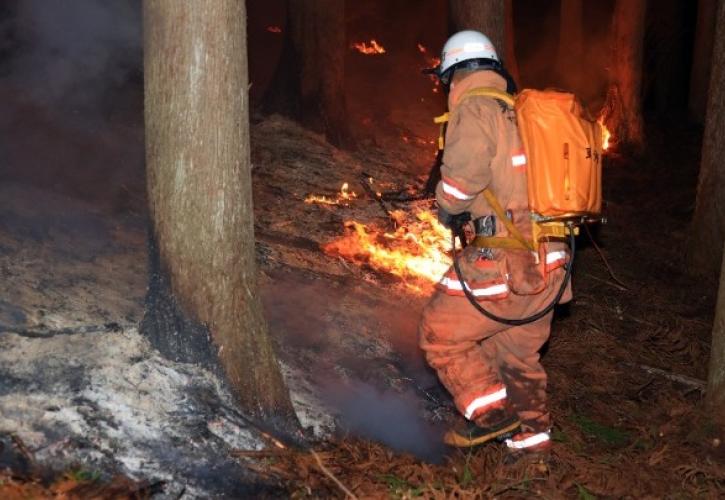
(478, 91)
(490, 92)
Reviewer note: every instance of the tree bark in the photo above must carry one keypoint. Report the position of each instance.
(571, 41)
(202, 304)
(701, 57)
(486, 16)
(715, 393)
(624, 99)
(708, 227)
(309, 83)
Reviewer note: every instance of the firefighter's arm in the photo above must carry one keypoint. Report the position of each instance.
(470, 146)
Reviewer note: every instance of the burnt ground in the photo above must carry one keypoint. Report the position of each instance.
(85, 393)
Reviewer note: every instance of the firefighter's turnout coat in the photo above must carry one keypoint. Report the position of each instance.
(483, 363)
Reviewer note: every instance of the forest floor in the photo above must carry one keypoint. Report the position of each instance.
(83, 396)
(626, 361)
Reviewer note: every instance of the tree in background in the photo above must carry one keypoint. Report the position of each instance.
(202, 304)
(309, 82)
(624, 99)
(701, 59)
(570, 54)
(487, 16)
(716, 372)
(708, 226)
(512, 64)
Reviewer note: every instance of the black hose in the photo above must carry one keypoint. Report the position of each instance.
(523, 321)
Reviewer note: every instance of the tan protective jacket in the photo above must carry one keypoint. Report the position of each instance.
(483, 150)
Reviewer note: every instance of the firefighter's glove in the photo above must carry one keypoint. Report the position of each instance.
(454, 222)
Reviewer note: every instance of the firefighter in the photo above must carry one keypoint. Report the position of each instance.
(491, 369)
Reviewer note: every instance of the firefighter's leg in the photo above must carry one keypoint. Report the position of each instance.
(450, 334)
(525, 379)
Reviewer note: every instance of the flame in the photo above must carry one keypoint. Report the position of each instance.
(373, 49)
(274, 29)
(606, 134)
(343, 197)
(417, 252)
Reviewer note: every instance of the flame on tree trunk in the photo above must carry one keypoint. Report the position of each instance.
(308, 84)
(624, 101)
(202, 305)
(708, 227)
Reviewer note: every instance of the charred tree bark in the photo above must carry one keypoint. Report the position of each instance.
(571, 42)
(309, 82)
(202, 304)
(716, 373)
(486, 16)
(624, 99)
(701, 58)
(708, 227)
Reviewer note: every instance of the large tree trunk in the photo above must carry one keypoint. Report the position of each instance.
(708, 228)
(202, 304)
(701, 57)
(716, 373)
(624, 99)
(570, 54)
(309, 83)
(486, 16)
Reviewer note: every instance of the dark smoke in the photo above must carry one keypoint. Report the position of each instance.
(71, 84)
(70, 54)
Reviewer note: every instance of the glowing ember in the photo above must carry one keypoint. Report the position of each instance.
(373, 48)
(344, 196)
(416, 251)
(274, 29)
(606, 134)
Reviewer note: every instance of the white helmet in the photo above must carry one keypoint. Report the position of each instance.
(465, 46)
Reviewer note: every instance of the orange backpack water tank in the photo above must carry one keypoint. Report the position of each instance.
(564, 152)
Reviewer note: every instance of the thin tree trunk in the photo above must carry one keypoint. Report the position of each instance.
(708, 228)
(511, 63)
(571, 41)
(716, 373)
(624, 100)
(486, 16)
(309, 83)
(202, 304)
(701, 57)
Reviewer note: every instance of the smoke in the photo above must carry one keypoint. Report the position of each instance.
(69, 54)
(389, 417)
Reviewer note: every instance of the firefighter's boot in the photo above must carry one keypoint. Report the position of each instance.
(494, 425)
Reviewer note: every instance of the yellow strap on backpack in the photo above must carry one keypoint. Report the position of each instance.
(478, 91)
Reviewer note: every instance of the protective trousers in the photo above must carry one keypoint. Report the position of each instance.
(487, 365)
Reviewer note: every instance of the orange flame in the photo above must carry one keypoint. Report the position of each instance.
(417, 252)
(373, 49)
(606, 134)
(343, 197)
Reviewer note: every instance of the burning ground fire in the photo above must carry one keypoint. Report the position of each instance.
(373, 48)
(417, 251)
(606, 134)
(342, 198)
